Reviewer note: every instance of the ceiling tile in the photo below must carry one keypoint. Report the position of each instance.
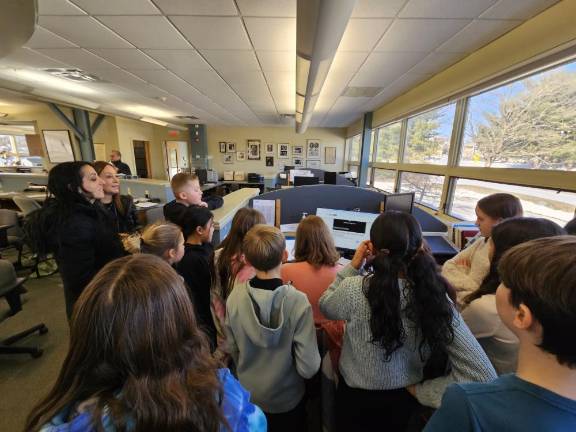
(445, 8)
(275, 34)
(436, 62)
(226, 33)
(377, 8)
(197, 7)
(58, 7)
(77, 57)
(362, 34)
(283, 88)
(127, 80)
(267, 8)
(154, 32)
(277, 60)
(422, 35)
(83, 31)
(514, 9)
(229, 62)
(128, 58)
(398, 87)
(43, 38)
(117, 7)
(25, 57)
(477, 34)
(179, 61)
(381, 69)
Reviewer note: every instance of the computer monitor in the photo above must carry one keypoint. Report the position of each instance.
(402, 202)
(202, 175)
(330, 177)
(302, 181)
(348, 228)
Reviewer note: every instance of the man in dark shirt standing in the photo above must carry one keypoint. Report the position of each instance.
(116, 159)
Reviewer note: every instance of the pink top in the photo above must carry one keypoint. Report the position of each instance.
(311, 281)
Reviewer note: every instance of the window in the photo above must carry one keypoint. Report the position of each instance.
(368, 176)
(388, 143)
(14, 152)
(428, 136)
(385, 180)
(527, 124)
(355, 144)
(372, 144)
(427, 188)
(543, 203)
(353, 169)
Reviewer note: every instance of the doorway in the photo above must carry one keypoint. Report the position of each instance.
(142, 158)
(176, 157)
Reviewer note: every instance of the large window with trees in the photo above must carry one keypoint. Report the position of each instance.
(385, 180)
(388, 143)
(427, 188)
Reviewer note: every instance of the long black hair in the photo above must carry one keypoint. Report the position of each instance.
(399, 252)
(506, 235)
(64, 186)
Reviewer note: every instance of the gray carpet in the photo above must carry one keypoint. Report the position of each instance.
(23, 379)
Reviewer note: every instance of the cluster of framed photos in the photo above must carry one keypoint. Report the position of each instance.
(299, 159)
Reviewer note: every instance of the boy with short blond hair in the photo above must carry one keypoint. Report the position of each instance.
(270, 333)
(537, 302)
(187, 191)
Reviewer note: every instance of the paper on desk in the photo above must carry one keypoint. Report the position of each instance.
(147, 204)
(290, 243)
(267, 208)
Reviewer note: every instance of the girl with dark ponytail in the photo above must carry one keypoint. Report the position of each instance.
(396, 316)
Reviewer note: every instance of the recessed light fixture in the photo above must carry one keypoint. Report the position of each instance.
(154, 121)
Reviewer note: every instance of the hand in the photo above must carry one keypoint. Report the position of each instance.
(202, 204)
(363, 252)
(411, 389)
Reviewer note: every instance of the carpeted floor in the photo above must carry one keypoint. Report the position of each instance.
(23, 379)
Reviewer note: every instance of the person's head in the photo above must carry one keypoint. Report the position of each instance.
(399, 253)
(134, 331)
(571, 227)
(197, 224)
(506, 235)
(115, 155)
(494, 208)
(243, 220)
(264, 247)
(537, 296)
(163, 239)
(109, 174)
(75, 181)
(314, 243)
(186, 188)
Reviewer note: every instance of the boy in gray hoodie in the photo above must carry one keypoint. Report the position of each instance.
(270, 333)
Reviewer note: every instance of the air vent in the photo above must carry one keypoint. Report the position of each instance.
(72, 74)
(361, 91)
(188, 117)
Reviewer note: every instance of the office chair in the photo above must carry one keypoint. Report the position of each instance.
(11, 287)
(25, 204)
(14, 237)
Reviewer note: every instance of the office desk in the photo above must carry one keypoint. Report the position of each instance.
(7, 201)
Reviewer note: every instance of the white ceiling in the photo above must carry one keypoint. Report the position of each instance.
(232, 62)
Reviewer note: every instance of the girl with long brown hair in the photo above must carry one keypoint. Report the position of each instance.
(138, 362)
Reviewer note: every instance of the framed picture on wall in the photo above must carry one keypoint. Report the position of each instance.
(228, 158)
(231, 147)
(298, 162)
(313, 149)
(58, 145)
(330, 155)
(298, 150)
(313, 164)
(240, 156)
(269, 148)
(269, 161)
(283, 150)
(222, 146)
(254, 149)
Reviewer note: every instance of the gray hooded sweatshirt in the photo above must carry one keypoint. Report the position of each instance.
(271, 337)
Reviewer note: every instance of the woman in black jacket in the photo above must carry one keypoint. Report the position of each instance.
(120, 207)
(74, 227)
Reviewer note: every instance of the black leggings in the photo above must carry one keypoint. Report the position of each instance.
(364, 410)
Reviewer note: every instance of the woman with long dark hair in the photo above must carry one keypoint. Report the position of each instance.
(479, 308)
(120, 207)
(396, 315)
(137, 361)
(74, 227)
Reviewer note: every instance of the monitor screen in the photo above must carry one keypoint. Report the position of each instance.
(330, 177)
(301, 181)
(348, 228)
(402, 202)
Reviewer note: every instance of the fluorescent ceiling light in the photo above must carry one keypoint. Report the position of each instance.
(44, 79)
(154, 121)
(63, 98)
(146, 111)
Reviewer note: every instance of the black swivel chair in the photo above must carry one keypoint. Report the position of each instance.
(11, 287)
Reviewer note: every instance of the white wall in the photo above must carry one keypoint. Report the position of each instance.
(328, 137)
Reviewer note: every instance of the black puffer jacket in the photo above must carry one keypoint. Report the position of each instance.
(125, 219)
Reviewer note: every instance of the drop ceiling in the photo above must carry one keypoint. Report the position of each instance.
(232, 62)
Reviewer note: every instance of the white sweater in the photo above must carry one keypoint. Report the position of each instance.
(500, 344)
(464, 279)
